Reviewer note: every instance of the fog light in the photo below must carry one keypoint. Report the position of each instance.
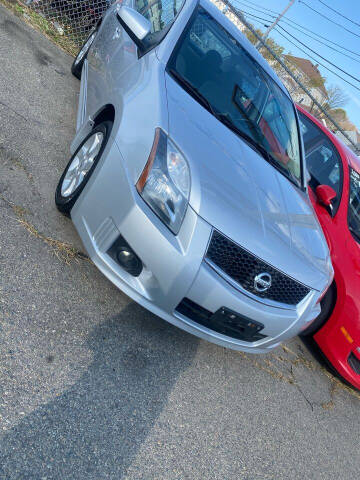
(129, 261)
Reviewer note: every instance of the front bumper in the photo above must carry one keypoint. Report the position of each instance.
(174, 268)
(339, 340)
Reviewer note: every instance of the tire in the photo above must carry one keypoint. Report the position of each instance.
(83, 162)
(327, 306)
(78, 63)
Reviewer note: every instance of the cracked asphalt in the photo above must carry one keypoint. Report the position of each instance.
(92, 386)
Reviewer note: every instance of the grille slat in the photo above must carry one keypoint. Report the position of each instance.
(242, 267)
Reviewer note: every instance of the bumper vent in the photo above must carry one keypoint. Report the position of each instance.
(242, 267)
(354, 363)
(207, 319)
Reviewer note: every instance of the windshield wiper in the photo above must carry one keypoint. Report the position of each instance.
(190, 88)
(224, 118)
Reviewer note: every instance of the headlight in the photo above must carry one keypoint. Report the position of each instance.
(165, 182)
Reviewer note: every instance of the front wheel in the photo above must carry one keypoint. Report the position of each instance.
(80, 167)
(79, 60)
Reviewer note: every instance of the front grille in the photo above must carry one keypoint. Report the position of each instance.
(354, 363)
(242, 267)
(204, 317)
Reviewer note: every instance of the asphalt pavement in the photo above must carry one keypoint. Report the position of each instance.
(92, 386)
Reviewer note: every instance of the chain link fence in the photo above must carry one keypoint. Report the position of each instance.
(76, 18)
(72, 18)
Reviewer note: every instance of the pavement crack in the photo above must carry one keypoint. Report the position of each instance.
(295, 360)
(16, 113)
(300, 389)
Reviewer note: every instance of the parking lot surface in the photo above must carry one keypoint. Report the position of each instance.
(92, 386)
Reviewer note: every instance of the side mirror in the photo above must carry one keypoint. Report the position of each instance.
(135, 25)
(325, 195)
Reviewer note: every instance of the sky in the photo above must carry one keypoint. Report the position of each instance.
(301, 14)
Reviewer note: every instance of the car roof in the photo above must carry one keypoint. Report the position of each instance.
(352, 159)
(243, 41)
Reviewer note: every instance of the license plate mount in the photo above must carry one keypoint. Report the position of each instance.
(227, 320)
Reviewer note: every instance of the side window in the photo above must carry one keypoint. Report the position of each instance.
(354, 204)
(161, 13)
(322, 159)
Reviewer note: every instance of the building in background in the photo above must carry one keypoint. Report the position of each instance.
(310, 76)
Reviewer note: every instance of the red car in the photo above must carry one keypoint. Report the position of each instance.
(334, 181)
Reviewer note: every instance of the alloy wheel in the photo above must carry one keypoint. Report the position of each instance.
(81, 164)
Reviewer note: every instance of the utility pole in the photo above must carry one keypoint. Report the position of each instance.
(266, 34)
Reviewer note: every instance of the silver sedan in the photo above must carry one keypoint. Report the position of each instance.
(186, 182)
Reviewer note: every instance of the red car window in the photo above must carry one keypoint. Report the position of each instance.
(354, 205)
(322, 159)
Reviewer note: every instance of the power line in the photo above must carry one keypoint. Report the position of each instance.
(279, 26)
(316, 60)
(318, 54)
(257, 5)
(313, 58)
(256, 9)
(339, 13)
(328, 18)
(258, 21)
(289, 22)
(252, 15)
(308, 35)
(318, 35)
(326, 45)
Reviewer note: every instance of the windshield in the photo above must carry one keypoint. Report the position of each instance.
(212, 66)
(354, 206)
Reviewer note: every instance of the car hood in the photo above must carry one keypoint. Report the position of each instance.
(244, 197)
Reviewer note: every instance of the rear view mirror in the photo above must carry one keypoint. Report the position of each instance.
(325, 195)
(135, 25)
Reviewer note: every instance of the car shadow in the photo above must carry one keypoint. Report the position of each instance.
(95, 428)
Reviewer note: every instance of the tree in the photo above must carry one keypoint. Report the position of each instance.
(333, 105)
(336, 98)
(278, 49)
